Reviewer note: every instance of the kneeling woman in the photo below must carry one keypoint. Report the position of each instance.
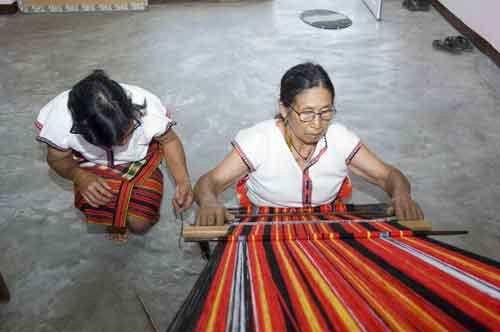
(109, 138)
(301, 158)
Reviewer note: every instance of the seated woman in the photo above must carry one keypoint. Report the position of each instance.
(109, 139)
(301, 158)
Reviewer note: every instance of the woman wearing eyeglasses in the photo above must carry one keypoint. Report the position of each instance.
(301, 158)
(108, 139)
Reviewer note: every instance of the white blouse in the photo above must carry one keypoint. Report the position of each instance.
(275, 178)
(54, 123)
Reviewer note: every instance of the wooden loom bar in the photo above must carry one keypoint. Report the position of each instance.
(195, 233)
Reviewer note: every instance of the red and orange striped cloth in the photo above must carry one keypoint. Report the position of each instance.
(137, 189)
(303, 283)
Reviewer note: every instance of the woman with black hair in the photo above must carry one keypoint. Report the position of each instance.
(109, 139)
(301, 158)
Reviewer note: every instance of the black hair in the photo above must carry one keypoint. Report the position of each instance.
(102, 111)
(302, 77)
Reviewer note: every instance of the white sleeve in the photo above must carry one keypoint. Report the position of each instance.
(157, 119)
(251, 145)
(54, 123)
(344, 141)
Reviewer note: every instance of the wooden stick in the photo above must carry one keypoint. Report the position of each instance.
(4, 291)
(304, 214)
(194, 233)
(148, 314)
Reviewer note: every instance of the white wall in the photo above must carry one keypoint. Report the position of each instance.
(482, 16)
(7, 2)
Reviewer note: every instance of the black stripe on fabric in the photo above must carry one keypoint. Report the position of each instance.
(155, 193)
(483, 259)
(343, 234)
(87, 207)
(246, 229)
(190, 312)
(280, 283)
(97, 217)
(140, 196)
(398, 226)
(266, 234)
(446, 307)
(143, 203)
(309, 287)
(368, 226)
(157, 175)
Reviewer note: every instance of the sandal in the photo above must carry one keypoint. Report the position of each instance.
(463, 43)
(448, 45)
(416, 5)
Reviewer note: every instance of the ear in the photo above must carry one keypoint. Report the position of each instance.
(283, 109)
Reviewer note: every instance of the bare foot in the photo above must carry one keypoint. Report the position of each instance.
(118, 236)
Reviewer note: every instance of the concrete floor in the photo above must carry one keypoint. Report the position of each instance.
(434, 115)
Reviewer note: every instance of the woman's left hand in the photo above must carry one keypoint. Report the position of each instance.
(183, 197)
(406, 208)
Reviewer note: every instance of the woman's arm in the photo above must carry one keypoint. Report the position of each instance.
(174, 155)
(209, 186)
(371, 168)
(93, 188)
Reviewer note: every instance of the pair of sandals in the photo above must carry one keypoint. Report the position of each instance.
(417, 5)
(453, 44)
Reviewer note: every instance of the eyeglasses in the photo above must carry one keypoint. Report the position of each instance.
(309, 116)
(136, 124)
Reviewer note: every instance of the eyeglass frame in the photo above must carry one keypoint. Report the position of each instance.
(333, 111)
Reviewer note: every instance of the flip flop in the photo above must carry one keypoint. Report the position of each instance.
(447, 45)
(415, 5)
(463, 43)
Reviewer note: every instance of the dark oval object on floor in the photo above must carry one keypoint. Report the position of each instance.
(325, 19)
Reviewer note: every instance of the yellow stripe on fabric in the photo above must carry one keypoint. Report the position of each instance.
(436, 326)
(301, 294)
(289, 231)
(264, 306)
(215, 306)
(356, 227)
(385, 226)
(460, 260)
(310, 228)
(324, 229)
(349, 323)
(366, 291)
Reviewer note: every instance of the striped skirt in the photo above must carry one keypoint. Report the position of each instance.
(137, 189)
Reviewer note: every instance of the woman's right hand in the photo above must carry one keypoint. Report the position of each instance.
(93, 188)
(212, 215)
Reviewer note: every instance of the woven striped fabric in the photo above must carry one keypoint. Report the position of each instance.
(283, 278)
(137, 189)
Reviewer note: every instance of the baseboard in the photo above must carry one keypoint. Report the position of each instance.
(481, 44)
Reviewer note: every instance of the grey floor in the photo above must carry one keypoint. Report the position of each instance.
(434, 115)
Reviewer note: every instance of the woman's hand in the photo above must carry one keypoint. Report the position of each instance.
(212, 215)
(183, 197)
(93, 188)
(406, 208)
